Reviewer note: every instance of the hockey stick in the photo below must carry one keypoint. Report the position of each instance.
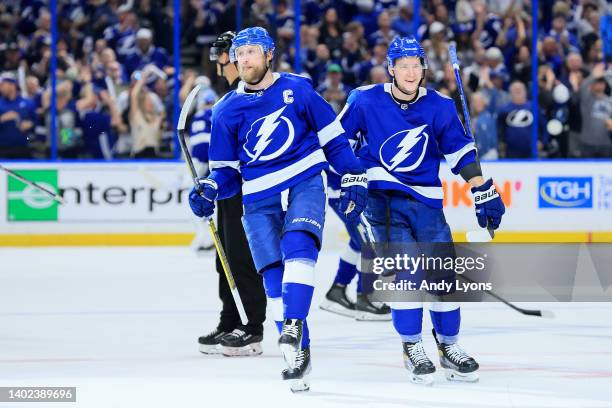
(528, 312)
(367, 239)
(24, 180)
(211, 224)
(484, 235)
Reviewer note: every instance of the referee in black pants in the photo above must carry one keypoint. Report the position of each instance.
(231, 337)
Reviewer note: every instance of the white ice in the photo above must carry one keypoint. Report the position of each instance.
(121, 324)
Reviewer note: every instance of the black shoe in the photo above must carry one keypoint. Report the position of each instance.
(416, 361)
(209, 344)
(290, 340)
(337, 302)
(299, 374)
(457, 364)
(241, 343)
(366, 310)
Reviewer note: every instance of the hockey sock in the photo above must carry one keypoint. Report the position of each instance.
(347, 267)
(298, 287)
(300, 253)
(273, 284)
(446, 319)
(408, 322)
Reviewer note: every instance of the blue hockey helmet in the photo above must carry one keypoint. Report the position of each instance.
(252, 36)
(402, 47)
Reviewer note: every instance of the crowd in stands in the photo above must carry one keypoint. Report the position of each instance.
(115, 68)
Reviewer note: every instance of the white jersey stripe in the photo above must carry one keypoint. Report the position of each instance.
(277, 177)
(380, 174)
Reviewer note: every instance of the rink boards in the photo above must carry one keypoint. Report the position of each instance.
(145, 203)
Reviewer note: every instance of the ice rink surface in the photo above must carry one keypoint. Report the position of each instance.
(121, 324)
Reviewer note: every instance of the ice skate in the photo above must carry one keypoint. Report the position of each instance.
(416, 361)
(457, 364)
(366, 310)
(239, 343)
(299, 376)
(290, 341)
(210, 343)
(337, 302)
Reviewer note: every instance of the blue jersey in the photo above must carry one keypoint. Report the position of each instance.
(401, 144)
(199, 134)
(276, 137)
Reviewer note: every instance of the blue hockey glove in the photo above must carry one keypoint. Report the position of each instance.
(489, 206)
(353, 195)
(203, 203)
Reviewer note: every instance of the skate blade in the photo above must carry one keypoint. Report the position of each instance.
(210, 348)
(372, 317)
(453, 375)
(300, 384)
(423, 379)
(334, 307)
(253, 349)
(289, 354)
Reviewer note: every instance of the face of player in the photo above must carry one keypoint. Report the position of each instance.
(252, 63)
(408, 73)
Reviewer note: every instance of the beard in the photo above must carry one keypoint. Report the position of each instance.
(253, 75)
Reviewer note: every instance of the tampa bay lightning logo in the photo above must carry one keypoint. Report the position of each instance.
(269, 136)
(519, 118)
(405, 150)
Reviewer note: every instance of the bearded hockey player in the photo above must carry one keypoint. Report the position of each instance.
(277, 134)
(404, 129)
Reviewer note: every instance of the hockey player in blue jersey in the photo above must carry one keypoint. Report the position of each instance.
(404, 129)
(277, 134)
(336, 299)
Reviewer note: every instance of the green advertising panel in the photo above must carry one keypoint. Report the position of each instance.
(27, 203)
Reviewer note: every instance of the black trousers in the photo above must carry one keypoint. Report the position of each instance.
(249, 282)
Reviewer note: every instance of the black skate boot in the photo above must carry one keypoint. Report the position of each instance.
(416, 361)
(366, 310)
(241, 343)
(299, 375)
(457, 364)
(337, 302)
(290, 341)
(209, 344)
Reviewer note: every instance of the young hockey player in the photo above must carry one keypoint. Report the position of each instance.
(277, 134)
(404, 129)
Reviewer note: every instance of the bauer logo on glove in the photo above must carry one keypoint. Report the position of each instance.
(485, 195)
(489, 205)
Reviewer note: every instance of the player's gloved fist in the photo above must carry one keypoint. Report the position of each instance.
(202, 203)
(353, 195)
(489, 205)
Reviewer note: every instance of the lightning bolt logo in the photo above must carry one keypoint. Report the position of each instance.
(407, 143)
(264, 136)
(268, 126)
